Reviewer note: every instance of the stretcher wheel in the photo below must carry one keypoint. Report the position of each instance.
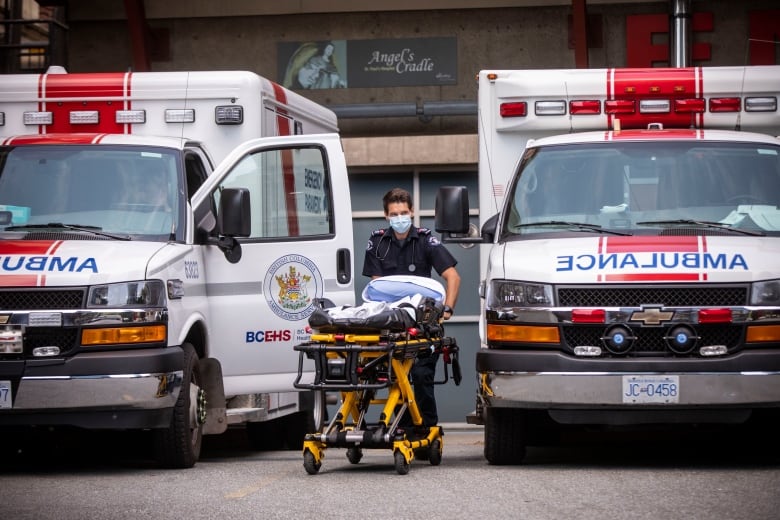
(310, 464)
(354, 454)
(401, 464)
(434, 456)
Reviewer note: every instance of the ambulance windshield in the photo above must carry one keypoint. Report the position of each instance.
(123, 191)
(660, 187)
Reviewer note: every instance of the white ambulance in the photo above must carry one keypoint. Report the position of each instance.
(632, 272)
(143, 288)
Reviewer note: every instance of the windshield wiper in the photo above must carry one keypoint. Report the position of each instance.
(702, 223)
(95, 230)
(580, 226)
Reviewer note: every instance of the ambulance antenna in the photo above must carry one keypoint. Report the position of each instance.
(481, 122)
(566, 88)
(186, 93)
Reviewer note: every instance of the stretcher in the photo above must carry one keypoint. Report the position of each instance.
(368, 361)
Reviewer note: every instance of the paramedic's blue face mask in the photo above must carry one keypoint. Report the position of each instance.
(400, 223)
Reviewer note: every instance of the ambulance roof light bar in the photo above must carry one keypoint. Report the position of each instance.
(128, 117)
(37, 118)
(180, 115)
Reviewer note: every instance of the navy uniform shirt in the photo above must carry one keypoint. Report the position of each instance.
(385, 255)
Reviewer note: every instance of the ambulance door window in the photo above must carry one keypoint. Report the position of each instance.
(195, 171)
(290, 192)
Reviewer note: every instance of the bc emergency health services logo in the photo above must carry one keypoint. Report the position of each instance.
(291, 285)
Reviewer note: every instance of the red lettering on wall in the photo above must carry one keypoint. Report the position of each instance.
(642, 52)
(764, 37)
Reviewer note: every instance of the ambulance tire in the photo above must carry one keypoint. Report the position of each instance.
(504, 436)
(178, 446)
(310, 419)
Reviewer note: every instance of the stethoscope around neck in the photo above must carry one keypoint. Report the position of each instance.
(412, 268)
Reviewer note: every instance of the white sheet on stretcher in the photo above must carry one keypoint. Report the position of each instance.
(375, 308)
(395, 287)
(392, 292)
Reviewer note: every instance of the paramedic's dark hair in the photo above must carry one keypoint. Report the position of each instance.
(396, 195)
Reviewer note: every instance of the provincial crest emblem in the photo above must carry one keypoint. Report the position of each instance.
(292, 283)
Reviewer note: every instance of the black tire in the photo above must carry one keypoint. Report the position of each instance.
(401, 465)
(504, 436)
(311, 466)
(178, 446)
(354, 454)
(435, 453)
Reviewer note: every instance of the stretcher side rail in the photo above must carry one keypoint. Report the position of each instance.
(353, 367)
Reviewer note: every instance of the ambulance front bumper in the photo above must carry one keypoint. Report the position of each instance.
(750, 379)
(129, 389)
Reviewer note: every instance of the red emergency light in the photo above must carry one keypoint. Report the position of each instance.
(588, 316)
(585, 107)
(689, 106)
(518, 109)
(619, 106)
(715, 316)
(730, 104)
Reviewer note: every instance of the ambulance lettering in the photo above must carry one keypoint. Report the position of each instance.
(268, 336)
(652, 261)
(651, 258)
(47, 263)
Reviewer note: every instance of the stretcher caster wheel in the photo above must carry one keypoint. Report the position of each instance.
(434, 456)
(401, 464)
(310, 464)
(354, 454)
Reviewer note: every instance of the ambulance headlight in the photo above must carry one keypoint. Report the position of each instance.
(765, 293)
(143, 293)
(509, 293)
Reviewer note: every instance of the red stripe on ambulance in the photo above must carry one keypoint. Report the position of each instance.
(652, 244)
(25, 247)
(288, 172)
(104, 92)
(655, 84)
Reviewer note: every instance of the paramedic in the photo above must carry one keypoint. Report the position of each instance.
(408, 250)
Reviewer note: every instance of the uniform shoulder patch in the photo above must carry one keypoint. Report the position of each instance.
(378, 232)
(433, 241)
(423, 231)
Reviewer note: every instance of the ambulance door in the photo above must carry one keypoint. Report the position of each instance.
(299, 251)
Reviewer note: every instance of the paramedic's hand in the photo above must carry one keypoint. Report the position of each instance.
(447, 314)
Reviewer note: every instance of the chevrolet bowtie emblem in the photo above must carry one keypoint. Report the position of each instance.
(652, 316)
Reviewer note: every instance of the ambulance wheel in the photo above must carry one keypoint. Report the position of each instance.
(354, 454)
(178, 446)
(434, 455)
(310, 464)
(504, 435)
(401, 464)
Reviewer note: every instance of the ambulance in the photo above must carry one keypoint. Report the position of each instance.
(632, 227)
(163, 239)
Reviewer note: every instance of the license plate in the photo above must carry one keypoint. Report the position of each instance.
(5, 394)
(651, 389)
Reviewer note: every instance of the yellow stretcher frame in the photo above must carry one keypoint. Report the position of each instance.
(372, 362)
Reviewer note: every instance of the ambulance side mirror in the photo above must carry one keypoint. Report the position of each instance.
(233, 220)
(452, 215)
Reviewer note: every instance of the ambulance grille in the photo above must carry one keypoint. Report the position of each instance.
(676, 296)
(39, 299)
(650, 340)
